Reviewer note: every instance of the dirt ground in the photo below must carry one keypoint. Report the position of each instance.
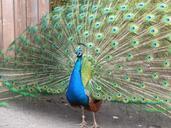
(52, 114)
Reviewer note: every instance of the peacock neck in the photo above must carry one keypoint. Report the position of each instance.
(78, 64)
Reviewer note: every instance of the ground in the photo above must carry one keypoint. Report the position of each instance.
(52, 114)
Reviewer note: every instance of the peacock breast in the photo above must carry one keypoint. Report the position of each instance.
(76, 93)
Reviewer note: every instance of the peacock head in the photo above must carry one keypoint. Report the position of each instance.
(79, 52)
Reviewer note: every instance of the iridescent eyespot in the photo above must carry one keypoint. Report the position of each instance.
(83, 8)
(112, 18)
(127, 78)
(90, 45)
(130, 56)
(135, 42)
(69, 25)
(123, 8)
(126, 100)
(129, 16)
(165, 83)
(141, 85)
(149, 58)
(153, 31)
(162, 6)
(106, 11)
(79, 27)
(98, 88)
(94, 8)
(155, 75)
(114, 43)
(99, 36)
(115, 85)
(119, 95)
(149, 18)
(115, 30)
(58, 10)
(109, 98)
(86, 34)
(109, 58)
(97, 25)
(134, 28)
(82, 16)
(155, 44)
(166, 63)
(139, 70)
(69, 16)
(71, 39)
(140, 5)
(166, 20)
(97, 50)
(91, 18)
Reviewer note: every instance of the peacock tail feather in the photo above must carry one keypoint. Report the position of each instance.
(126, 45)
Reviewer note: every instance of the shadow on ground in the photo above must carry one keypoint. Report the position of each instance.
(52, 114)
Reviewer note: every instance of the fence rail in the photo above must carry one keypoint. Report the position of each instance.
(16, 15)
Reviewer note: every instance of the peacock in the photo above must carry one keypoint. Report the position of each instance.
(94, 51)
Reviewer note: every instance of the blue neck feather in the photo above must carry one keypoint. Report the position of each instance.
(78, 65)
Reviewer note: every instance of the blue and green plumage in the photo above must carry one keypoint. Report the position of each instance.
(76, 93)
(127, 54)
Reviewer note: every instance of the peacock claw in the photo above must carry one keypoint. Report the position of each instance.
(83, 124)
(96, 126)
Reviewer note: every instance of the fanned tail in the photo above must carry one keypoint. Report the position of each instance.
(6, 95)
(36, 62)
(127, 44)
(129, 47)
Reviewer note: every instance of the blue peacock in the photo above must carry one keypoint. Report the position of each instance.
(94, 51)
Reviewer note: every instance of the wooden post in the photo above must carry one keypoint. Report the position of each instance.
(20, 16)
(8, 22)
(32, 12)
(43, 8)
(16, 15)
(1, 35)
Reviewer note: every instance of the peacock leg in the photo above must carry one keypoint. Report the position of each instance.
(95, 125)
(83, 123)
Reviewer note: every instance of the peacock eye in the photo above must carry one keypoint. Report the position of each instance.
(149, 17)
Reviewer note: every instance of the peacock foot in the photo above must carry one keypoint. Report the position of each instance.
(95, 125)
(83, 124)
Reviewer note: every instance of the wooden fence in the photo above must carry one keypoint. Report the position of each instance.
(16, 15)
